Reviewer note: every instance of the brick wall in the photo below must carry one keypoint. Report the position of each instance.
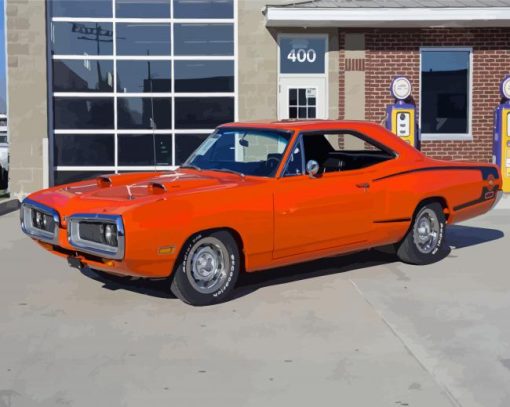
(392, 52)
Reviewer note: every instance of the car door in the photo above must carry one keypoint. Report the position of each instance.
(331, 210)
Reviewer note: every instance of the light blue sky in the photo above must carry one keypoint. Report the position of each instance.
(3, 95)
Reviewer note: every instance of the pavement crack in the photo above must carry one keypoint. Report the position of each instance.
(399, 337)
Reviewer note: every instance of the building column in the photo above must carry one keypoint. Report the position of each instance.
(354, 76)
(26, 94)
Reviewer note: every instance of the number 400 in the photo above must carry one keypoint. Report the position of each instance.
(302, 55)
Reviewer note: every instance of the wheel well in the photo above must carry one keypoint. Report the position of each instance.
(235, 234)
(438, 199)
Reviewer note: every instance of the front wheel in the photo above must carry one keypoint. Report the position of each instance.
(424, 243)
(207, 269)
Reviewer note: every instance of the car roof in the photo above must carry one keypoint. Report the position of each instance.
(291, 124)
(372, 130)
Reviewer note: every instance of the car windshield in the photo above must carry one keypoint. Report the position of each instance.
(244, 151)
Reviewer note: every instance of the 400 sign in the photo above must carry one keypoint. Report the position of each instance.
(302, 55)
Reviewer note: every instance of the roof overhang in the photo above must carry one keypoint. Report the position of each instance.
(387, 17)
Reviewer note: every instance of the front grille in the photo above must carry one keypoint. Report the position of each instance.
(97, 234)
(102, 233)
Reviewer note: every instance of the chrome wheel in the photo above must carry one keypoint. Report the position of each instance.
(208, 264)
(426, 231)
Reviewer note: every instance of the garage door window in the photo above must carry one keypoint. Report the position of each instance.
(445, 93)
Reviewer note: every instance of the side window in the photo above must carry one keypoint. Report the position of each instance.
(295, 163)
(343, 151)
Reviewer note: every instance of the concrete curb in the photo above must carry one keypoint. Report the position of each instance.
(8, 206)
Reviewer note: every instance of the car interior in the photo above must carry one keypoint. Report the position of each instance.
(343, 152)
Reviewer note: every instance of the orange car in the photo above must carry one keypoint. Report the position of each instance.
(259, 195)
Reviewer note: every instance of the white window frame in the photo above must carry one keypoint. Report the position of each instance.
(115, 95)
(450, 136)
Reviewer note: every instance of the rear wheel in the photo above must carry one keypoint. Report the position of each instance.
(424, 243)
(208, 269)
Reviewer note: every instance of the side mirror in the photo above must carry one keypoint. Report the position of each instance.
(312, 168)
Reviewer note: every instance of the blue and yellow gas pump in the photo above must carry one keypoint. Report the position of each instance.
(501, 141)
(401, 115)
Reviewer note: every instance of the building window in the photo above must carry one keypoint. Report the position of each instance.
(445, 93)
(137, 84)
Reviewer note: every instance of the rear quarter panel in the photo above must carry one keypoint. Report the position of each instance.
(461, 186)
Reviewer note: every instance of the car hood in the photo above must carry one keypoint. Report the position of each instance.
(116, 193)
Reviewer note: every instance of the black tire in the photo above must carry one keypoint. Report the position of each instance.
(207, 269)
(425, 242)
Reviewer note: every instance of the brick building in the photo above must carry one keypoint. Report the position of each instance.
(105, 86)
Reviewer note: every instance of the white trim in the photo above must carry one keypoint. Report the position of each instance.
(236, 61)
(172, 68)
(83, 94)
(84, 57)
(115, 110)
(387, 17)
(82, 19)
(204, 95)
(107, 132)
(187, 131)
(449, 136)
(142, 20)
(446, 137)
(145, 57)
(205, 57)
(111, 132)
(142, 94)
(118, 168)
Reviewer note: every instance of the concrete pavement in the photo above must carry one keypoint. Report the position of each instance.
(359, 330)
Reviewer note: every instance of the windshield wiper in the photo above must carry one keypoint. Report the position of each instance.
(227, 170)
(193, 167)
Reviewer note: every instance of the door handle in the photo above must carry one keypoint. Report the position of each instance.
(364, 185)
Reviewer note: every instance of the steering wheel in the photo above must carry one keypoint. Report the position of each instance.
(273, 162)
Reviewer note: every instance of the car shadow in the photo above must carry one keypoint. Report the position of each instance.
(458, 236)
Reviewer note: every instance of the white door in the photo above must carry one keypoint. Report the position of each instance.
(302, 98)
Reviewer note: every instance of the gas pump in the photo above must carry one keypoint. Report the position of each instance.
(501, 141)
(401, 116)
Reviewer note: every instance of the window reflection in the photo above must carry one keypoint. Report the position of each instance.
(445, 92)
(204, 76)
(185, 144)
(143, 8)
(66, 177)
(203, 113)
(82, 76)
(145, 149)
(80, 8)
(204, 8)
(82, 38)
(204, 39)
(144, 76)
(144, 113)
(143, 39)
(84, 149)
(83, 113)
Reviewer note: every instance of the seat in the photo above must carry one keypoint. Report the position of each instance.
(332, 164)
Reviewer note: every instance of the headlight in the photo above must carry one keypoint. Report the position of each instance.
(39, 221)
(101, 235)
